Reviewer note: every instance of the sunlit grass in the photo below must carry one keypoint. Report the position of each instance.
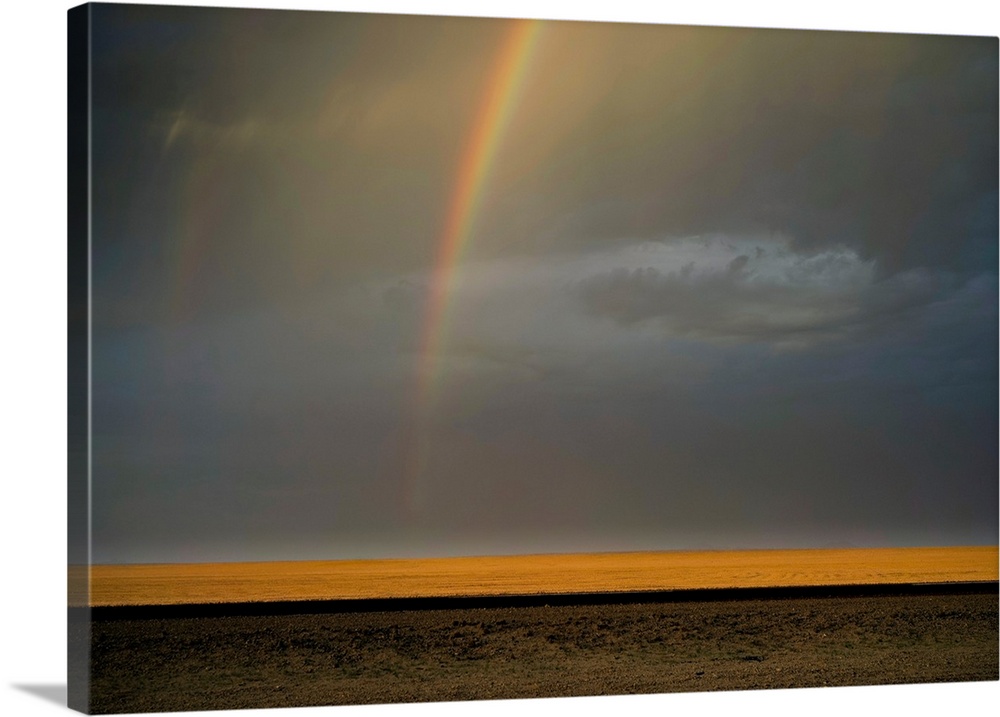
(533, 574)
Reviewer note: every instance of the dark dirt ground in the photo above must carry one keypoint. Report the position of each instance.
(154, 665)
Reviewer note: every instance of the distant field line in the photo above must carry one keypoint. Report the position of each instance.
(535, 574)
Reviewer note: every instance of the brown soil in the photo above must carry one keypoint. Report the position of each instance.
(154, 665)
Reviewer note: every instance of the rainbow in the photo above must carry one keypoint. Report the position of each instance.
(477, 158)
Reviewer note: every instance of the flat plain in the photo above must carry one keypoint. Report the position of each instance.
(166, 584)
(168, 638)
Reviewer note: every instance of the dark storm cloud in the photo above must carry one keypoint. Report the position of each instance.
(324, 145)
(721, 288)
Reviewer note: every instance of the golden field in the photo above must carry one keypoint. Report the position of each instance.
(524, 575)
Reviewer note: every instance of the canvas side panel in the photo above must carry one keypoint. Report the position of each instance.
(78, 379)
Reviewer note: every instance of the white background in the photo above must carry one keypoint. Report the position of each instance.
(33, 389)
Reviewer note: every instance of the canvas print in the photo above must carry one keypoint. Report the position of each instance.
(419, 358)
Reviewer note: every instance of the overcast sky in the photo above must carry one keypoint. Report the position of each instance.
(723, 288)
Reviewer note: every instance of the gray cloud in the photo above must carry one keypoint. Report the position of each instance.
(775, 297)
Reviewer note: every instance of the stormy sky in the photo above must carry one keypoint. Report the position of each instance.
(723, 288)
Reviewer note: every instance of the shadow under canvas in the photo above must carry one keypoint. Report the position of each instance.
(55, 693)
